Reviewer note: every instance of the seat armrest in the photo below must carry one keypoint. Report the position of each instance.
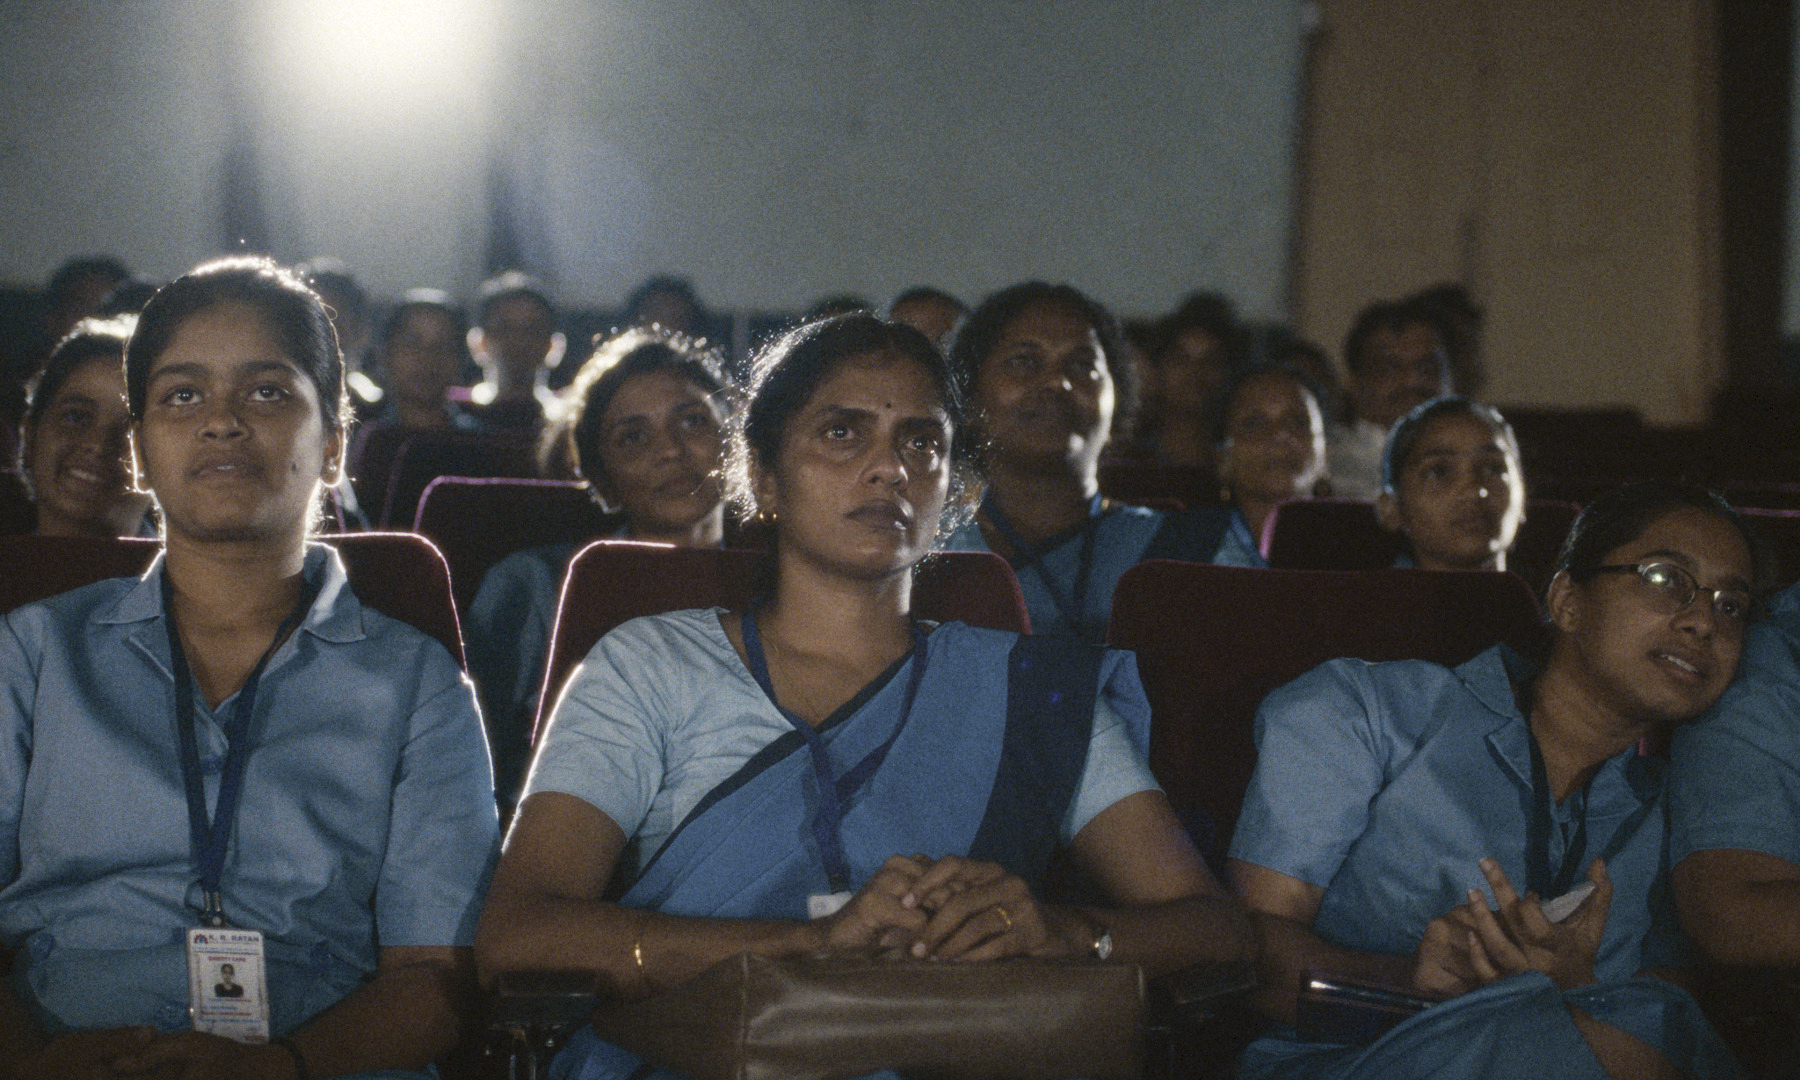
(544, 999)
(530, 1015)
(1199, 992)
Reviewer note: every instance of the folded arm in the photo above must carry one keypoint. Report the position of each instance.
(1169, 910)
(1282, 908)
(1741, 907)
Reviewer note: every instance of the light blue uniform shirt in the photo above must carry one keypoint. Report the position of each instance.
(1736, 781)
(1123, 534)
(367, 816)
(1385, 785)
(663, 711)
(1238, 547)
(508, 635)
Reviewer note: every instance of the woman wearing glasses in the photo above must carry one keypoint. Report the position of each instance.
(1421, 829)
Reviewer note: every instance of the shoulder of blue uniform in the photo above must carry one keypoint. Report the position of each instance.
(1191, 535)
(111, 601)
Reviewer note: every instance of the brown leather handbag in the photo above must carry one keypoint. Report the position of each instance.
(825, 1017)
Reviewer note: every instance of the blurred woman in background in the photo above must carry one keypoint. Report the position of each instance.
(1043, 371)
(1271, 438)
(644, 427)
(73, 443)
(1452, 485)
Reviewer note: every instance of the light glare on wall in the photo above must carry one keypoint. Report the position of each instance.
(382, 54)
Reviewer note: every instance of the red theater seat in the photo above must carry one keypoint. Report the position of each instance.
(612, 581)
(1343, 534)
(398, 574)
(1211, 641)
(17, 512)
(477, 521)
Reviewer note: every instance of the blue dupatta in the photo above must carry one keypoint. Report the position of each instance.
(985, 766)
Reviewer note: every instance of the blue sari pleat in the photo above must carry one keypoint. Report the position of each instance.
(1515, 1028)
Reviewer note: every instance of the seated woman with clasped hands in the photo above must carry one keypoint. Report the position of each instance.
(703, 737)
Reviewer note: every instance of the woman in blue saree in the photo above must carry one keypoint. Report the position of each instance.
(643, 428)
(1044, 370)
(822, 773)
(1399, 811)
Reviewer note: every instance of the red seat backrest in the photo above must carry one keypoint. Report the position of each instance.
(1540, 538)
(1344, 534)
(371, 465)
(18, 514)
(1328, 534)
(1156, 483)
(426, 455)
(1781, 530)
(613, 581)
(398, 574)
(39, 567)
(1212, 641)
(477, 521)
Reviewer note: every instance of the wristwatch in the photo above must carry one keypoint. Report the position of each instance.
(1103, 942)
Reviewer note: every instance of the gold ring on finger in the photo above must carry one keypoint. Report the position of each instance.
(1001, 908)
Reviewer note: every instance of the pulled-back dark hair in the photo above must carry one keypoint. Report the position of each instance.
(670, 284)
(925, 293)
(293, 312)
(1219, 420)
(1409, 429)
(789, 371)
(506, 286)
(1621, 515)
(1390, 315)
(616, 360)
(91, 339)
(62, 282)
(425, 300)
(1214, 315)
(981, 328)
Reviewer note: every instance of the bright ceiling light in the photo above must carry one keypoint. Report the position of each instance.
(382, 56)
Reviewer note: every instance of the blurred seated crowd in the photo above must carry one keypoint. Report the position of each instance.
(1578, 854)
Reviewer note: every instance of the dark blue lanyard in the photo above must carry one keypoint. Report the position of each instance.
(1241, 530)
(833, 792)
(1547, 881)
(209, 839)
(1075, 605)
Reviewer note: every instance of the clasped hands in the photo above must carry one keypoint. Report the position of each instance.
(1473, 945)
(950, 909)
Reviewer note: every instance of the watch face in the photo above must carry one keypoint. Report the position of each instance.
(1103, 945)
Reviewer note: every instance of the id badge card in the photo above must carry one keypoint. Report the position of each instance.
(825, 905)
(227, 993)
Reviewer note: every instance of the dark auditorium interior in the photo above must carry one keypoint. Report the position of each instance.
(1584, 214)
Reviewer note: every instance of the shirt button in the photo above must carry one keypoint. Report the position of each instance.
(42, 945)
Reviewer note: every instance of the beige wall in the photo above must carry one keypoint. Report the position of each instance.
(1554, 155)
